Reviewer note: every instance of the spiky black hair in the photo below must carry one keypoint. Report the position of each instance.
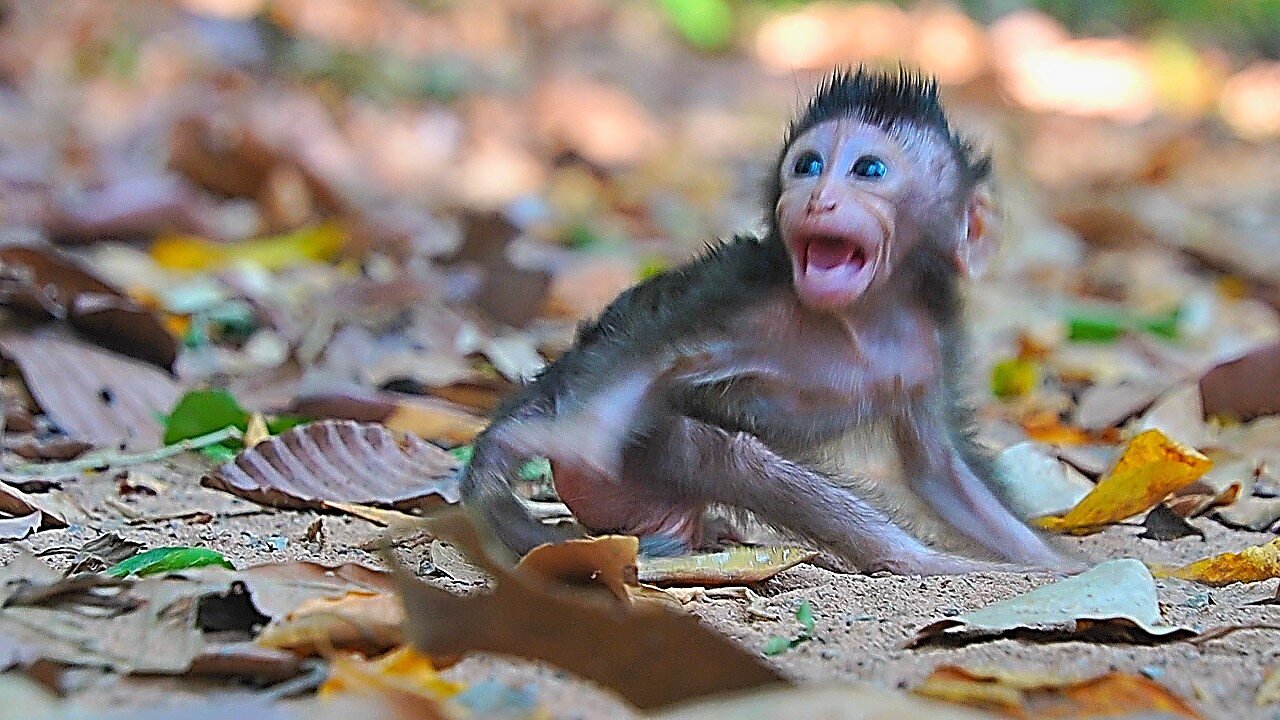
(889, 100)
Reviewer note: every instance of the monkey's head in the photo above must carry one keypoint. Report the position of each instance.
(870, 176)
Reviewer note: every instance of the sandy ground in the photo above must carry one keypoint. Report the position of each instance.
(862, 621)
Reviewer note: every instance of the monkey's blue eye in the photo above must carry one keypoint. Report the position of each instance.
(870, 166)
(809, 164)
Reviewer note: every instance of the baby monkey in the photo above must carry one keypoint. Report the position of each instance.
(749, 378)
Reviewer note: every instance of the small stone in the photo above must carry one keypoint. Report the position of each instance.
(1197, 601)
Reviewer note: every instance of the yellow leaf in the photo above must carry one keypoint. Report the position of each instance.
(1014, 377)
(1253, 564)
(257, 430)
(319, 243)
(401, 670)
(1151, 467)
(735, 566)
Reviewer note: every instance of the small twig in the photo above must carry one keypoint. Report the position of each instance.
(117, 460)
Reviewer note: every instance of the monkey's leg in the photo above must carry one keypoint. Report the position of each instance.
(739, 470)
(937, 471)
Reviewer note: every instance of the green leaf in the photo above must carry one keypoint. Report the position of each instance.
(219, 453)
(201, 412)
(805, 615)
(705, 24)
(167, 559)
(1093, 328)
(778, 645)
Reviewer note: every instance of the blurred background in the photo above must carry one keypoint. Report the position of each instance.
(282, 179)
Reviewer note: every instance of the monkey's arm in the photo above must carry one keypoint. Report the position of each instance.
(944, 468)
(737, 469)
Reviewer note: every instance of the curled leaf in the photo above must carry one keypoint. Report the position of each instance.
(338, 461)
(1151, 467)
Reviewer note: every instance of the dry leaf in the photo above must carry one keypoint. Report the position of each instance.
(1253, 564)
(1116, 599)
(609, 561)
(1035, 483)
(47, 284)
(735, 566)
(361, 621)
(1245, 387)
(94, 394)
(1151, 467)
(257, 430)
(652, 657)
(340, 461)
(375, 515)
(1029, 695)
(16, 528)
(422, 416)
(17, 504)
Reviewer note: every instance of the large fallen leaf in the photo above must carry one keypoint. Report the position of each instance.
(1253, 564)
(650, 656)
(1026, 695)
(1245, 387)
(1151, 467)
(93, 394)
(736, 566)
(16, 528)
(340, 461)
(1114, 600)
(48, 285)
(831, 702)
(1108, 405)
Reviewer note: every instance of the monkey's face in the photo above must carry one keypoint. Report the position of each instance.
(843, 213)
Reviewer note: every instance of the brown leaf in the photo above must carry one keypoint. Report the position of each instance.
(1030, 695)
(1245, 387)
(609, 561)
(340, 461)
(366, 622)
(652, 657)
(15, 503)
(423, 416)
(510, 293)
(145, 625)
(277, 588)
(93, 394)
(45, 284)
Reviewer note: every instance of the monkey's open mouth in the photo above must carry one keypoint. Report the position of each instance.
(827, 253)
(833, 269)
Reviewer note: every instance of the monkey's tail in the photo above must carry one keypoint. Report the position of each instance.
(487, 493)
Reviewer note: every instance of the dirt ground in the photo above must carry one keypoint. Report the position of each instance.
(862, 621)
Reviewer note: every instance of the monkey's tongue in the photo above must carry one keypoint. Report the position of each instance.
(828, 254)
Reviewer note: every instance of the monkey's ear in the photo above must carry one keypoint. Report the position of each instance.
(980, 238)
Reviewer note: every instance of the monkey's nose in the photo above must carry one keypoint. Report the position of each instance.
(820, 205)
